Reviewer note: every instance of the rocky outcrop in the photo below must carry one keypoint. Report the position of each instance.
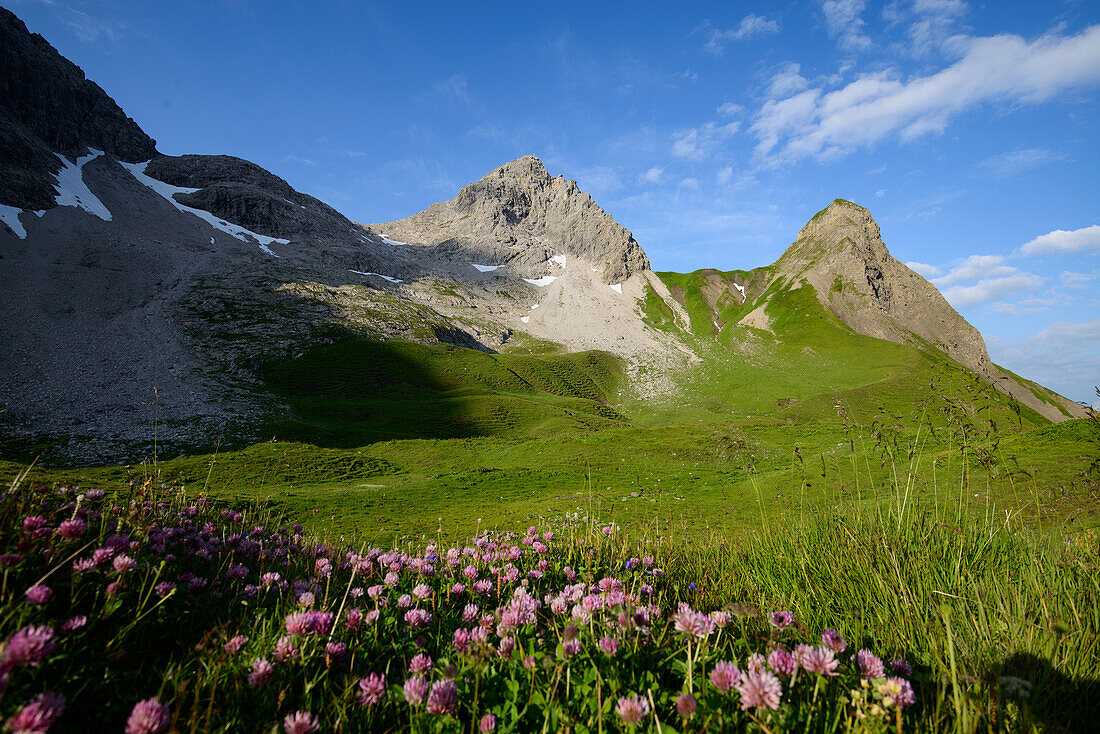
(519, 215)
(47, 106)
(241, 192)
(840, 253)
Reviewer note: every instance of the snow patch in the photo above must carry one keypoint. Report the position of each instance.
(534, 307)
(166, 190)
(40, 213)
(211, 240)
(485, 268)
(543, 281)
(379, 275)
(9, 215)
(395, 243)
(740, 288)
(71, 189)
(595, 270)
(525, 319)
(618, 288)
(559, 259)
(269, 251)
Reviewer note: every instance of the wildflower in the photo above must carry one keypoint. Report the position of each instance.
(780, 620)
(470, 612)
(443, 698)
(372, 616)
(571, 647)
(487, 724)
(285, 649)
(37, 716)
(782, 662)
(901, 667)
(371, 689)
(29, 646)
(896, 692)
(234, 645)
(392, 579)
(721, 619)
(820, 660)
(756, 662)
(300, 722)
(609, 646)
(685, 705)
(870, 667)
(1015, 686)
(115, 587)
(149, 717)
(39, 594)
(336, 652)
(8, 560)
(416, 690)
(71, 528)
(74, 623)
(308, 623)
(418, 618)
(506, 647)
(833, 640)
(262, 673)
(123, 564)
(323, 567)
(422, 663)
(725, 675)
(305, 600)
(632, 710)
(458, 589)
(164, 588)
(692, 623)
(352, 618)
(759, 689)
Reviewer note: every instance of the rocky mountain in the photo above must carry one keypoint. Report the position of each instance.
(841, 254)
(520, 216)
(144, 292)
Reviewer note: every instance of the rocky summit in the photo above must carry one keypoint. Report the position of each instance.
(145, 293)
(521, 216)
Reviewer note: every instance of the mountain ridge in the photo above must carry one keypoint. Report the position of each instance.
(180, 276)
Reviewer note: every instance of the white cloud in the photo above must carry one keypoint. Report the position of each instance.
(924, 269)
(933, 24)
(453, 89)
(981, 279)
(877, 105)
(690, 183)
(725, 175)
(1060, 242)
(880, 193)
(751, 25)
(1071, 279)
(1064, 356)
(843, 22)
(977, 267)
(787, 81)
(653, 175)
(990, 289)
(1014, 162)
(696, 142)
(729, 109)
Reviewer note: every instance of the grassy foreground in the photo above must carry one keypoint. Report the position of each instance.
(151, 609)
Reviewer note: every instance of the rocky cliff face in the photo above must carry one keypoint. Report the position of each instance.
(521, 216)
(47, 106)
(840, 253)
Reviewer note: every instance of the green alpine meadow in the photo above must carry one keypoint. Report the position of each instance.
(485, 468)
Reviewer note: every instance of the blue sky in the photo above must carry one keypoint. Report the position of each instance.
(712, 131)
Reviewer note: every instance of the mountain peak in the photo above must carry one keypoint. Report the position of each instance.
(520, 215)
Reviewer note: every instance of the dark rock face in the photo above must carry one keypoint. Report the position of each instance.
(241, 192)
(47, 106)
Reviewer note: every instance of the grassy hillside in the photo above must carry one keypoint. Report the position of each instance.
(360, 391)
